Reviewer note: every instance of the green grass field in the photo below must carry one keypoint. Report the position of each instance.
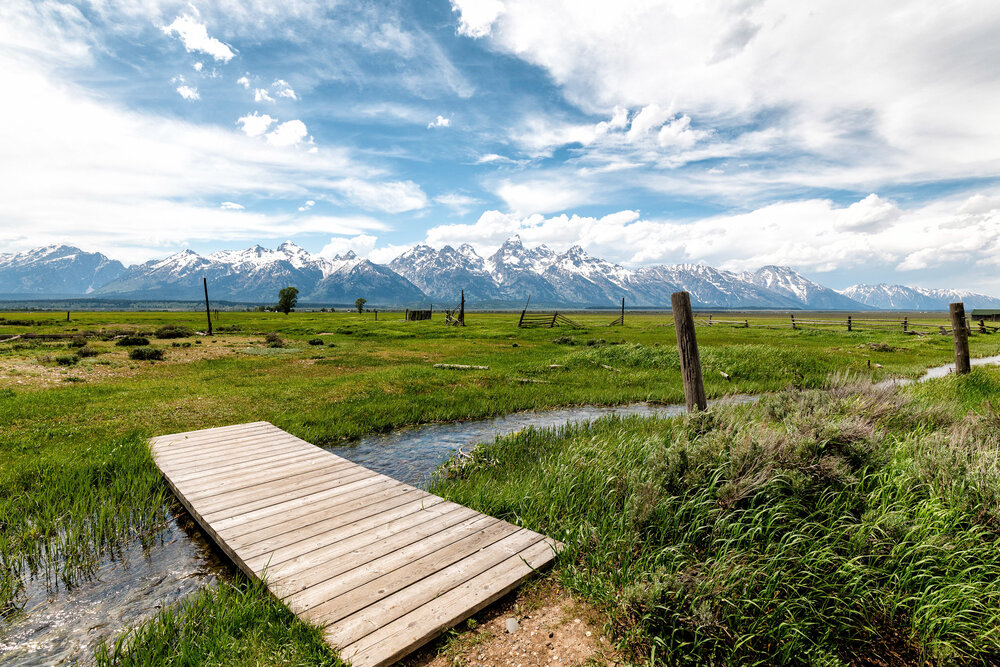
(701, 553)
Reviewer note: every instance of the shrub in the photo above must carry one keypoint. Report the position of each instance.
(315, 341)
(77, 341)
(132, 341)
(67, 359)
(145, 353)
(173, 331)
(273, 340)
(87, 351)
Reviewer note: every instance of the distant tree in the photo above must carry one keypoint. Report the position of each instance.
(287, 298)
(360, 304)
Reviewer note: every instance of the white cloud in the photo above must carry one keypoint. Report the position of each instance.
(243, 81)
(195, 37)
(231, 206)
(188, 92)
(308, 205)
(910, 100)
(255, 124)
(494, 158)
(282, 89)
(198, 66)
(361, 245)
(958, 236)
(289, 133)
(440, 121)
(261, 95)
(390, 197)
(476, 17)
(458, 202)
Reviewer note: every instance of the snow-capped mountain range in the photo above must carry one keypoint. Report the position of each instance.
(423, 274)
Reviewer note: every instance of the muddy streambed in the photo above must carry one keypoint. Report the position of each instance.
(61, 626)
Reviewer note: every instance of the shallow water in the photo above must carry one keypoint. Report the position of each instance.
(940, 371)
(61, 626)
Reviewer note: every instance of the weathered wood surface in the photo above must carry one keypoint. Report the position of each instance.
(381, 566)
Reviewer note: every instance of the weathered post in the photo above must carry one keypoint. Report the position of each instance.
(848, 322)
(623, 311)
(67, 316)
(793, 321)
(376, 314)
(461, 311)
(710, 319)
(208, 311)
(961, 336)
(687, 347)
(982, 326)
(906, 324)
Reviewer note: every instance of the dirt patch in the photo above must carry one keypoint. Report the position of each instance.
(550, 627)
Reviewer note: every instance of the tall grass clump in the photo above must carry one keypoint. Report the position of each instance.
(60, 515)
(844, 525)
(230, 624)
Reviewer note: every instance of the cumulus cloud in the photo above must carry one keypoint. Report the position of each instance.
(308, 205)
(261, 95)
(282, 89)
(244, 81)
(476, 17)
(289, 133)
(440, 121)
(231, 206)
(959, 236)
(360, 245)
(255, 124)
(198, 66)
(195, 37)
(188, 92)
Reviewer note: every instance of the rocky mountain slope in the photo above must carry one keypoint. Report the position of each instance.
(423, 274)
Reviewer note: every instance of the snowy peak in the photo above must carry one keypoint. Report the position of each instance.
(785, 281)
(56, 270)
(901, 297)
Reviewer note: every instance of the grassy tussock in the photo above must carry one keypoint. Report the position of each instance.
(847, 525)
(229, 625)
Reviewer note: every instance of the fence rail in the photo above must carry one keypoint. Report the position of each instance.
(849, 323)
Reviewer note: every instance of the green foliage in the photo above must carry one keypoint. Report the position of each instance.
(273, 339)
(173, 331)
(229, 624)
(67, 359)
(287, 298)
(132, 341)
(315, 341)
(87, 351)
(360, 304)
(145, 353)
(844, 525)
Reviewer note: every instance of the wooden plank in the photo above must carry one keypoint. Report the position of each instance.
(332, 598)
(365, 556)
(225, 518)
(365, 546)
(390, 642)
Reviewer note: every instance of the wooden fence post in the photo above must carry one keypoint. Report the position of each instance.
(687, 347)
(522, 318)
(67, 316)
(793, 321)
(461, 311)
(849, 323)
(982, 326)
(961, 336)
(710, 319)
(208, 311)
(376, 314)
(906, 324)
(623, 311)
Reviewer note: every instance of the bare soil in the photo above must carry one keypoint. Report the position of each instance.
(553, 628)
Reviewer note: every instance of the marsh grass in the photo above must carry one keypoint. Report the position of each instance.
(849, 525)
(229, 625)
(76, 478)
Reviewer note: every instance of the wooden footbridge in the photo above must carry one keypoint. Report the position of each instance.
(381, 566)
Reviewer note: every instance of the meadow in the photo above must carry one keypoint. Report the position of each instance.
(830, 517)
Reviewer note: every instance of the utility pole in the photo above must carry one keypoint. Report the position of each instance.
(208, 311)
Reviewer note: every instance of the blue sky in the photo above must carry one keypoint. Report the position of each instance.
(853, 141)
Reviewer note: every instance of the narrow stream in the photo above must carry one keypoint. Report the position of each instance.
(61, 626)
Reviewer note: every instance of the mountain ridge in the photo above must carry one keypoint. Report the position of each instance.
(422, 274)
